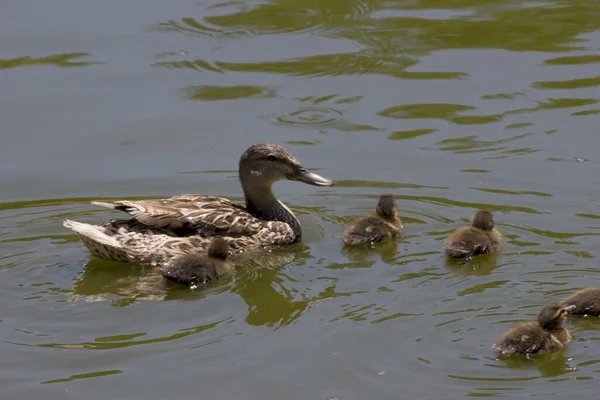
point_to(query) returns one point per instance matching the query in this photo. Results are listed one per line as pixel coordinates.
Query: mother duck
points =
(163, 228)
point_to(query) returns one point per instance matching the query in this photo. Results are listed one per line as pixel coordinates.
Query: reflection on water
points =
(256, 281)
(60, 60)
(548, 364)
(449, 106)
(478, 265)
(362, 256)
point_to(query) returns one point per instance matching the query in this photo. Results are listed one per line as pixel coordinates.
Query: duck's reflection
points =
(260, 284)
(549, 364)
(119, 283)
(479, 265)
(363, 256)
(257, 280)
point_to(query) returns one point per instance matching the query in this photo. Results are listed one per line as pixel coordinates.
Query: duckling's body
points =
(544, 335)
(190, 269)
(583, 302)
(164, 228)
(481, 237)
(384, 225)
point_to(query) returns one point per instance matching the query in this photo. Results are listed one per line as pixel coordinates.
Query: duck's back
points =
(467, 242)
(367, 230)
(190, 214)
(584, 302)
(194, 268)
(525, 338)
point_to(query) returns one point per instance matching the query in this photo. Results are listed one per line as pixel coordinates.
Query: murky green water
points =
(449, 105)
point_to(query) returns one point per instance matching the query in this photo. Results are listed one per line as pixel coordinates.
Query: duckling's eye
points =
(271, 157)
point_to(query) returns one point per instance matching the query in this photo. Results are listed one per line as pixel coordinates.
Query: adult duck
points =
(163, 228)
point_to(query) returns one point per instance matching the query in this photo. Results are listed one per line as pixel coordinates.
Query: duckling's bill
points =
(570, 308)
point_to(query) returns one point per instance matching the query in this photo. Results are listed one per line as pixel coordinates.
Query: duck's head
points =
(267, 163)
(552, 316)
(483, 220)
(218, 248)
(386, 206)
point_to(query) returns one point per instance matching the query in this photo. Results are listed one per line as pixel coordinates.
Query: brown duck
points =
(583, 302)
(384, 224)
(481, 237)
(196, 268)
(544, 335)
(163, 228)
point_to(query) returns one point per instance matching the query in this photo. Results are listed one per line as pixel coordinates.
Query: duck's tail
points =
(98, 242)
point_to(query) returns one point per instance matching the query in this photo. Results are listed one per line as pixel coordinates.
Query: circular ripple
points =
(312, 116)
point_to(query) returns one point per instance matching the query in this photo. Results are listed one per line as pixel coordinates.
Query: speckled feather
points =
(164, 228)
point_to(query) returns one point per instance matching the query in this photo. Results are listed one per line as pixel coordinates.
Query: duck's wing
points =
(467, 241)
(208, 215)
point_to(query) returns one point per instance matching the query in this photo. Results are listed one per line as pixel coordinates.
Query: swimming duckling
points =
(383, 225)
(583, 302)
(193, 268)
(545, 334)
(478, 238)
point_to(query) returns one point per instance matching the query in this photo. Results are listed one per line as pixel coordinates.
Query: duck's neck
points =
(262, 203)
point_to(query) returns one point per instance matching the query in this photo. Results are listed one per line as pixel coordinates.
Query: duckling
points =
(193, 268)
(583, 302)
(481, 237)
(544, 335)
(383, 225)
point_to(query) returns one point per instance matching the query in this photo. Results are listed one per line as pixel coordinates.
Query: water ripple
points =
(218, 93)
(274, 18)
(59, 60)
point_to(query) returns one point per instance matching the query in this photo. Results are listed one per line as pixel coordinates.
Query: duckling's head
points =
(386, 207)
(483, 220)
(266, 163)
(218, 248)
(552, 317)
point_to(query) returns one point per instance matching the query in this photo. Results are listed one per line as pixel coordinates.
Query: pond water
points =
(448, 105)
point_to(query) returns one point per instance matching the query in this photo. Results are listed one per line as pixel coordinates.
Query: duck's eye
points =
(271, 157)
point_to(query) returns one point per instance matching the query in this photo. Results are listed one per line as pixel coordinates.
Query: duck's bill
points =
(312, 179)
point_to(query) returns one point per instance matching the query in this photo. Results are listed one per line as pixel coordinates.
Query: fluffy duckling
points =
(383, 225)
(481, 237)
(544, 335)
(194, 268)
(583, 302)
